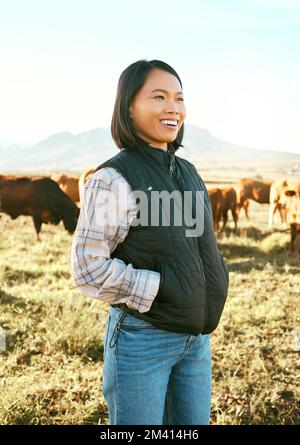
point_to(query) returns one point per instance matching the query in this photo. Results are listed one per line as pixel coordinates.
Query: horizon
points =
(22, 146)
(238, 62)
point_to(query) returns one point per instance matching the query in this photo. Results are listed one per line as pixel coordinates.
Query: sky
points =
(239, 62)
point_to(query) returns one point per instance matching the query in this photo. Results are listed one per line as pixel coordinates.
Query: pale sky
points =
(239, 62)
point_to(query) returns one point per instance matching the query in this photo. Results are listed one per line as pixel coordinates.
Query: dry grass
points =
(50, 372)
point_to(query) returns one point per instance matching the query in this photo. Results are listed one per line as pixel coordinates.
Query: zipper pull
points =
(171, 169)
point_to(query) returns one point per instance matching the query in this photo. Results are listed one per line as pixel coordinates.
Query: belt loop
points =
(117, 326)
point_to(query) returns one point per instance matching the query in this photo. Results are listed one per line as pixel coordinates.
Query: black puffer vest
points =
(194, 277)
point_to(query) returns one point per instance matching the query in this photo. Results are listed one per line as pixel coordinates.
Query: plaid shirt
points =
(94, 273)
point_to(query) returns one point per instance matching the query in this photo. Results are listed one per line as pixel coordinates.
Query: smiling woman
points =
(140, 114)
(166, 287)
(153, 114)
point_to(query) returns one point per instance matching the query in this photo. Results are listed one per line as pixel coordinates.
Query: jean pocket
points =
(116, 329)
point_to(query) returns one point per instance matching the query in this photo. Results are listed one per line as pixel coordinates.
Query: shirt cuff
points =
(144, 290)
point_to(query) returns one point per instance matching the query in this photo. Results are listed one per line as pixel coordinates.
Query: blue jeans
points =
(152, 376)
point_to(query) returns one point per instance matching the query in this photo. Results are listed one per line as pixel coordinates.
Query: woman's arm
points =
(94, 273)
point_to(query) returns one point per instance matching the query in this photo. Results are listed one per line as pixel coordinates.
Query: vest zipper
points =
(171, 170)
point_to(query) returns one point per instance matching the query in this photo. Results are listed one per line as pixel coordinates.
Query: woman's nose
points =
(172, 106)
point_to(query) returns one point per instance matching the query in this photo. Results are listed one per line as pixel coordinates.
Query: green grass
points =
(51, 370)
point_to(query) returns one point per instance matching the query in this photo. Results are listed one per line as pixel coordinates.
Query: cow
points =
(278, 198)
(292, 212)
(229, 203)
(256, 189)
(39, 197)
(4, 178)
(68, 184)
(216, 200)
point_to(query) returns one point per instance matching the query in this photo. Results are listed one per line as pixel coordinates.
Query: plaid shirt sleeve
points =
(97, 234)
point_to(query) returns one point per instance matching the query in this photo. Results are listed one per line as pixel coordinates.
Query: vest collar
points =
(157, 155)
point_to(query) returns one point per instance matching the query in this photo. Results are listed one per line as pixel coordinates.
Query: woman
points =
(166, 286)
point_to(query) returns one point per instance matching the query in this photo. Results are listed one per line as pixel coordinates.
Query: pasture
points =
(51, 365)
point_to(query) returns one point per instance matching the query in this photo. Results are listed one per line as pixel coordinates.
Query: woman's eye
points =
(180, 98)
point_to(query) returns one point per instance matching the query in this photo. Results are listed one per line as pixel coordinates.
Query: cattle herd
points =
(282, 195)
(51, 199)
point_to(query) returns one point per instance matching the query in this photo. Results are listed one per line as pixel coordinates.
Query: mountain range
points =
(74, 153)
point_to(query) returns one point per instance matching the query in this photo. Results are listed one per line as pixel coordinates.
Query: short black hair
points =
(130, 82)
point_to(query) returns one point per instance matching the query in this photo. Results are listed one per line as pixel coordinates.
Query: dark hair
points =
(130, 82)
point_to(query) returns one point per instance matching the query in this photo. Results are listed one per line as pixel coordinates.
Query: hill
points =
(74, 153)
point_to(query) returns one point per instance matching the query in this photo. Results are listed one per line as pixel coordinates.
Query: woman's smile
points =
(170, 123)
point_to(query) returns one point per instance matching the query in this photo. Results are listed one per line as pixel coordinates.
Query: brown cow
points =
(216, 199)
(256, 189)
(229, 203)
(68, 184)
(39, 197)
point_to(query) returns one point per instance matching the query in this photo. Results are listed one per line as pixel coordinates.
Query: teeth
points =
(167, 122)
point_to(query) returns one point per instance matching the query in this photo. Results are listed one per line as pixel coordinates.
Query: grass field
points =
(52, 336)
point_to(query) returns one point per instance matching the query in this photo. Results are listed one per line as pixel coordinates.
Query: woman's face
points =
(150, 107)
